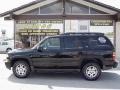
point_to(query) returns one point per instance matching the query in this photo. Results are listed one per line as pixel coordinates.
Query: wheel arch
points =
(21, 59)
(95, 60)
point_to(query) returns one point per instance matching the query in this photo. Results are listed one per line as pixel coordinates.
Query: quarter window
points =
(99, 43)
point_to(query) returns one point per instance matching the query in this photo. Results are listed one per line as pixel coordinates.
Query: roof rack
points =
(84, 33)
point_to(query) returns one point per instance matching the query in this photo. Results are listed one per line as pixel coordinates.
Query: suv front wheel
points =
(21, 69)
(91, 71)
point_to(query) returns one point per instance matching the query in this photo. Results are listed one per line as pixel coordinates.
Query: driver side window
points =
(51, 43)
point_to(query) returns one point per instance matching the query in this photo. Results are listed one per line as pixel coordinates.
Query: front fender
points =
(21, 57)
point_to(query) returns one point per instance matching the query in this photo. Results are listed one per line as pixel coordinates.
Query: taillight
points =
(114, 56)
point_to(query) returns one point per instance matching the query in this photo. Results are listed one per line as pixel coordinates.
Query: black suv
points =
(88, 52)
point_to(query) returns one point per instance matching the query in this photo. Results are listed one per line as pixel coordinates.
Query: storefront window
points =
(30, 32)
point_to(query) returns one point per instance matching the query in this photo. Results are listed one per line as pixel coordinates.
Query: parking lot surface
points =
(109, 80)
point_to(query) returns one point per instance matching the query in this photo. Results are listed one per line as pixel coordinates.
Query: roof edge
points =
(38, 1)
(104, 5)
(20, 7)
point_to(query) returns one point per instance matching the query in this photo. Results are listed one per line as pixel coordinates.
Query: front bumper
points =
(7, 63)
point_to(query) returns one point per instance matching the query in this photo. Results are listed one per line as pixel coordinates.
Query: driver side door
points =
(48, 57)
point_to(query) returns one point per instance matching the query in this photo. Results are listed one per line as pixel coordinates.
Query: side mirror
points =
(40, 49)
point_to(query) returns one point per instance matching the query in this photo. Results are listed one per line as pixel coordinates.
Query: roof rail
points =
(84, 33)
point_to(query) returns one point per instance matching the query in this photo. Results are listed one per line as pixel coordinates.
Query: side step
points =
(56, 70)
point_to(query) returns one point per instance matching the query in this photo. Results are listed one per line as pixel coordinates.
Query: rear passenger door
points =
(72, 51)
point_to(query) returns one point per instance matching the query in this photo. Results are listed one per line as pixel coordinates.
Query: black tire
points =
(91, 71)
(21, 69)
(8, 49)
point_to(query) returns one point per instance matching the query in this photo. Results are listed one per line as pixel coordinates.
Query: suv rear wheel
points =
(91, 71)
(21, 69)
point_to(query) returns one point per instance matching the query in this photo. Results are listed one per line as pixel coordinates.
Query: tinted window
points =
(101, 43)
(51, 43)
(73, 43)
(83, 41)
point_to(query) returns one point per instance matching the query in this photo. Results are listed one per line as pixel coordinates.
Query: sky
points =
(6, 5)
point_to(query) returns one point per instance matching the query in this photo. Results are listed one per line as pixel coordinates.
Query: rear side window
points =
(75, 42)
(100, 43)
(70, 43)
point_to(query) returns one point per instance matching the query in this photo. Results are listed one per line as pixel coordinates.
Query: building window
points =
(74, 8)
(54, 8)
(83, 27)
(94, 11)
(32, 12)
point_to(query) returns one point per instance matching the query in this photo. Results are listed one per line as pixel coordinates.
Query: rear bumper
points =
(115, 64)
(110, 66)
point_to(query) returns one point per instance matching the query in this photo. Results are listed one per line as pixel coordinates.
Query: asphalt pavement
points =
(109, 80)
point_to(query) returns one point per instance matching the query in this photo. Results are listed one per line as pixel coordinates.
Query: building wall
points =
(118, 40)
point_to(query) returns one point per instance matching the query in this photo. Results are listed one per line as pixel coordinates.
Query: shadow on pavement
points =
(108, 80)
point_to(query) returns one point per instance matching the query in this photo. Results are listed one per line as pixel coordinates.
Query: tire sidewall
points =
(27, 68)
(84, 71)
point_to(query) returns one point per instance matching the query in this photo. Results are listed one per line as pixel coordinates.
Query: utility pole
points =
(63, 1)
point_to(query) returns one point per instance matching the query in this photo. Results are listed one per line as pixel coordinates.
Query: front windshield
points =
(38, 44)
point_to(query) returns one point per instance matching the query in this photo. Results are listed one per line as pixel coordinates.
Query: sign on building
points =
(101, 23)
